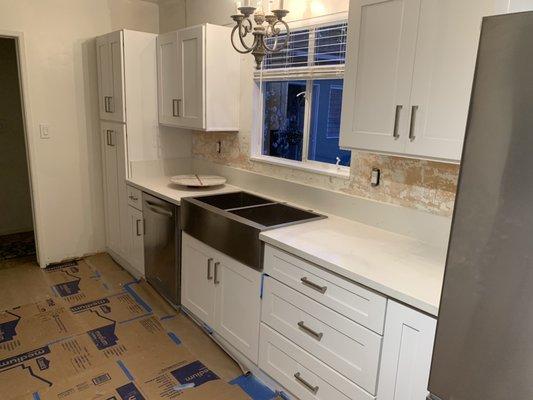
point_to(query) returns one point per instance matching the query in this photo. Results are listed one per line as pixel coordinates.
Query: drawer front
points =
(349, 299)
(135, 198)
(302, 374)
(344, 345)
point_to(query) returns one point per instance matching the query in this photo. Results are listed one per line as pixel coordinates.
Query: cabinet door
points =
(167, 74)
(443, 74)
(191, 71)
(197, 290)
(378, 77)
(109, 50)
(238, 305)
(136, 251)
(116, 103)
(407, 350)
(111, 198)
(115, 189)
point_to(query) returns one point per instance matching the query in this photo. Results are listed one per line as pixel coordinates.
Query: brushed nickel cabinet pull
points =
(307, 385)
(209, 274)
(175, 105)
(216, 281)
(309, 331)
(110, 134)
(139, 233)
(111, 104)
(312, 285)
(414, 110)
(106, 107)
(178, 108)
(395, 132)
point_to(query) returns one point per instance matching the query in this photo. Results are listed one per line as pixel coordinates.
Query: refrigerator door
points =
(484, 342)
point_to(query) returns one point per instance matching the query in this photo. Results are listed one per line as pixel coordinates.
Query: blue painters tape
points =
(125, 370)
(137, 298)
(253, 387)
(36, 396)
(167, 317)
(174, 338)
(262, 285)
(282, 395)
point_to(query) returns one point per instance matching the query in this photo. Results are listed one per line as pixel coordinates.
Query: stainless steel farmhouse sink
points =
(232, 222)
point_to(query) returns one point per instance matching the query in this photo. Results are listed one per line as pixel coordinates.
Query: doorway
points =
(17, 238)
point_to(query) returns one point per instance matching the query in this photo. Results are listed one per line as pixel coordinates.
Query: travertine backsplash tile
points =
(425, 185)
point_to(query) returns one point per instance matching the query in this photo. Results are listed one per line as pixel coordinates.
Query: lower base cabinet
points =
(136, 240)
(222, 293)
(406, 354)
(302, 374)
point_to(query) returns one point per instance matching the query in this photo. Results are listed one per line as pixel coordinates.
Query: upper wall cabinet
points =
(198, 73)
(409, 75)
(110, 59)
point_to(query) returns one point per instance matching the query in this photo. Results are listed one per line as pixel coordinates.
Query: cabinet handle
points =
(209, 275)
(395, 132)
(307, 385)
(414, 110)
(178, 108)
(311, 332)
(216, 273)
(132, 197)
(106, 109)
(174, 108)
(110, 134)
(139, 233)
(312, 285)
(111, 104)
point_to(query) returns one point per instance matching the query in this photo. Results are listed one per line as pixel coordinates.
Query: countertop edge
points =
(153, 192)
(359, 279)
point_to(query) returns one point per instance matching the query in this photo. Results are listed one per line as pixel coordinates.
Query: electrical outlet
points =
(375, 177)
(45, 131)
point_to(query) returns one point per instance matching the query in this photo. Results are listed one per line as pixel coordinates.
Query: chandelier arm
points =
(247, 30)
(246, 48)
(273, 33)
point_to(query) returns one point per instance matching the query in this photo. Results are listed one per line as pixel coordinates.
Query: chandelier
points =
(267, 26)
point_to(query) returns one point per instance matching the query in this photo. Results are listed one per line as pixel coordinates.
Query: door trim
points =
(29, 136)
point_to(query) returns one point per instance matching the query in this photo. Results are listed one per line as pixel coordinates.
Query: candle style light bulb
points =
(281, 4)
(237, 6)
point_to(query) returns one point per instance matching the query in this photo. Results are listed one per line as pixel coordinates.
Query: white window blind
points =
(316, 52)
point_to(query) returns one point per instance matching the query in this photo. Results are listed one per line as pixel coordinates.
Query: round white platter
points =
(198, 180)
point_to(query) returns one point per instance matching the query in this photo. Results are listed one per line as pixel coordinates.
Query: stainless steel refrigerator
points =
(484, 342)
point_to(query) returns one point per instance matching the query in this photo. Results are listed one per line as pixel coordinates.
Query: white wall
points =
(172, 15)
(62, 90)
(15, 201)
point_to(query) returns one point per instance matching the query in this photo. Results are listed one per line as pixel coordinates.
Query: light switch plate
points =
(45, 131)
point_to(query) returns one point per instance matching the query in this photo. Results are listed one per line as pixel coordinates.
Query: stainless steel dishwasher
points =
(162, 247)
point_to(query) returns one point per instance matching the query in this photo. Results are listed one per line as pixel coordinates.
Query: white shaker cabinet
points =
(136, 240)
(406, 354)
(222, 293)
(198, 75)
(115, 190)
(409, 75)
(110, 61)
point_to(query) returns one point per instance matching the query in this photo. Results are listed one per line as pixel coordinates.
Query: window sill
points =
(314, 167)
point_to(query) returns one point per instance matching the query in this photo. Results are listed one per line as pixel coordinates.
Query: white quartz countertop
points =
(397, 266)
(162, 188)
(400, 267)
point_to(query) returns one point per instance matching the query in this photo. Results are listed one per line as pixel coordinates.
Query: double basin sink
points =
(232, 222)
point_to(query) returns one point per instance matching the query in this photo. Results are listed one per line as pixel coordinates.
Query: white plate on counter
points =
(198, 180)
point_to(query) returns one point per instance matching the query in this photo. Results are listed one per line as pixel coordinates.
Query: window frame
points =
(256, 148)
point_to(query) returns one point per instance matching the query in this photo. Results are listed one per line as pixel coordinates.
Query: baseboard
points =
(125, 264)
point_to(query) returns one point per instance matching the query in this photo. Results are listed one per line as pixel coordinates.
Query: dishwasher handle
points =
(159, 210)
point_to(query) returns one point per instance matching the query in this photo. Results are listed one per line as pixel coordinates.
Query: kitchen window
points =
(300, 94)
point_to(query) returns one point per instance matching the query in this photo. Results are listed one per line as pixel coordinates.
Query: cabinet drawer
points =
(344, 345)
(135, 198)
(302, 374)
(349, 299)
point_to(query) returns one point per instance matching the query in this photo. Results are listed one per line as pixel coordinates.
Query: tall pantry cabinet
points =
(127, 90)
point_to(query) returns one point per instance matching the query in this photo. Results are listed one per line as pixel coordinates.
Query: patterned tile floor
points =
(22, 282)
